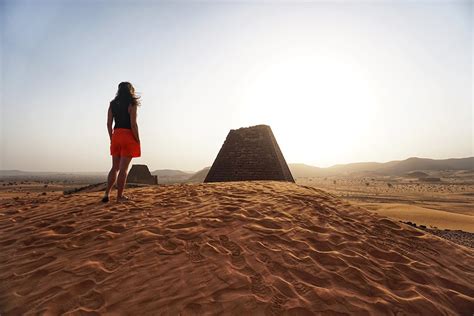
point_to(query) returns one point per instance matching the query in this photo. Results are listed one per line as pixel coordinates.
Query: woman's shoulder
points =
(116, 104)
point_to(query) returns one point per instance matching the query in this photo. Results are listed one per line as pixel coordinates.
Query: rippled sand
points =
(223, 248)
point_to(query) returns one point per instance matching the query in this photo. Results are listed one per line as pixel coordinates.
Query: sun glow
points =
(317, 105)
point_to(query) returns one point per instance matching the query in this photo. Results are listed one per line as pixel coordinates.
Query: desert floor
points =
(448, 204)
(224, 248)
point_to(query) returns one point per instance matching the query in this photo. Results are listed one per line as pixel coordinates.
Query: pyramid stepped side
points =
(281, 160)
(141, 174)
(250, 153)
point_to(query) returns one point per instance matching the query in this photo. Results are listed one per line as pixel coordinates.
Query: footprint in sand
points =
(276, 304)
(231, 246)
(168, 244)
(264, 258)
(84, 239)
(237, 259)
(290, 259)
(167, 247)
(92, 300)
(193, 250)
(275, 267)
(301, 288)
(145, 237)
(258, 287)
(132, 250)
(278, 269)
(82, 287)
(107, 261)
(66, 302)
(91, 270)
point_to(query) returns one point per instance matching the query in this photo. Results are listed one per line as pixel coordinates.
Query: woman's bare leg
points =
(122, 176)
(112, 175)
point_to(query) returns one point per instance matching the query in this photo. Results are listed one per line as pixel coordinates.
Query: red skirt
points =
(124, 143)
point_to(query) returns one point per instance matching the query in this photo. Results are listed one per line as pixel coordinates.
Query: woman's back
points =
(124, 137)
(120, 114)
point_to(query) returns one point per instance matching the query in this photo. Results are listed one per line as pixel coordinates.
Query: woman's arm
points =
(133, 121)
(110, 119)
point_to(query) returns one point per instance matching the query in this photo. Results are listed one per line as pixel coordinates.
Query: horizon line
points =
(291, 163)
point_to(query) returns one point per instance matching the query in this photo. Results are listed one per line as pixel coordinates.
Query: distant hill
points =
(16, 173)
(299, 170)
(170, 173)
(169, 176)
(76, 177)
(398, 167)
(11, 173)
(414, 164)
(199, 176)
(302, 170)
(19, 173)
(356, 167)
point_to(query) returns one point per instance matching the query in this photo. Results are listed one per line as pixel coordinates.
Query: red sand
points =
(224, 248)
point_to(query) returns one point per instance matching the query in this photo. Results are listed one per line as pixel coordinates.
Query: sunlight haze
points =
(338, 82)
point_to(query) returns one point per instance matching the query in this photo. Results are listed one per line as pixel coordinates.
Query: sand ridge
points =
(259, 247)
(420, 214)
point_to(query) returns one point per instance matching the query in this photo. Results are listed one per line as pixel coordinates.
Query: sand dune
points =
(224, 248)
(427, 216)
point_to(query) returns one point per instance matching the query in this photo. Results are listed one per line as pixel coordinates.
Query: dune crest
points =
(238, 247)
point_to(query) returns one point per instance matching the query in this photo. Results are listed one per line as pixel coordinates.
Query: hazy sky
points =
(338, 81)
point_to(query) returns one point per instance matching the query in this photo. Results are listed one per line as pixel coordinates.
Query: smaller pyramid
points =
(250, 153)
(140, 174)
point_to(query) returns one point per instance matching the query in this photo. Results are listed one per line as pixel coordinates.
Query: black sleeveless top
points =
(121, 115)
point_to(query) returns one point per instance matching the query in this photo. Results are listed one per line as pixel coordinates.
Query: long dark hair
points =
(126, 95)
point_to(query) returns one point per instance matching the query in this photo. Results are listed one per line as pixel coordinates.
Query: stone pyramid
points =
(250, 153)
(141, 174)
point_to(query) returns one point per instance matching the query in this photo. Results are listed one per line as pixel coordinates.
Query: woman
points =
(124, 138)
